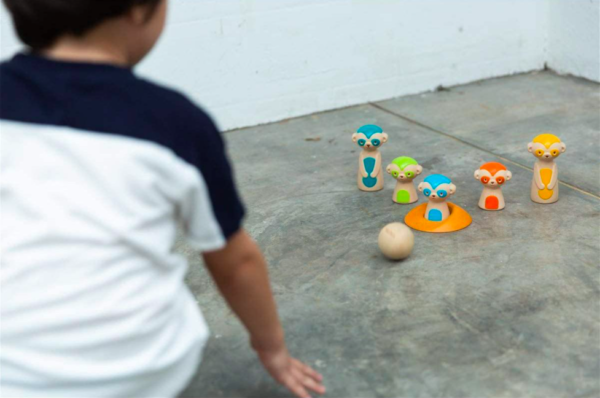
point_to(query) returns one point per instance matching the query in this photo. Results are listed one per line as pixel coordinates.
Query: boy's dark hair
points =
(40, 22)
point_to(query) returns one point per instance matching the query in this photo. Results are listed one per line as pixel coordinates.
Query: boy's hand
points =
(291, 373)
(240, 272)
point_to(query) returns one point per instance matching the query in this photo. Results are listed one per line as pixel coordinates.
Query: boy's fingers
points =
(306, 380)
(308, 370)
(294, 386)
(313, 385)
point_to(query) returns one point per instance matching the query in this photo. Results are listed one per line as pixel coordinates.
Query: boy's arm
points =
(240, 272)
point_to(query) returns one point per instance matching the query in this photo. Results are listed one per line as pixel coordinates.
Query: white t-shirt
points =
(93, 299)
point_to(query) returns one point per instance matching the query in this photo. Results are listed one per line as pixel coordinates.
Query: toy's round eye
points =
(362, 142)
(539, 152)
(500, 180)
(427, 192)
(554, 152)
(409, 174)
(485, 179)
(376, 142)
(442, 194)
(394, 174)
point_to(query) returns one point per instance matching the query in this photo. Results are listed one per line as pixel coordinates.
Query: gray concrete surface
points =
(503, 115)
(508, 307)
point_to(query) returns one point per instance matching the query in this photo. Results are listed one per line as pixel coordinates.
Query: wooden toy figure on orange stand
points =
(544, 187)
(437, 215)
(492, 175)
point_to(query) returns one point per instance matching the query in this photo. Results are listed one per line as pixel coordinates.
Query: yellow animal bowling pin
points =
(544, 187)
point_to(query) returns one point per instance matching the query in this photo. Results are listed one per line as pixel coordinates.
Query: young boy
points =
(98, 168)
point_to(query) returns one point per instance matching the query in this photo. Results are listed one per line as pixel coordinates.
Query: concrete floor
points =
(508, 307)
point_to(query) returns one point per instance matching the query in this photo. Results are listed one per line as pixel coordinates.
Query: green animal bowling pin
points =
(404, 170)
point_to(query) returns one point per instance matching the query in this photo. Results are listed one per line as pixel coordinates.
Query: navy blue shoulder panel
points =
(109, 99)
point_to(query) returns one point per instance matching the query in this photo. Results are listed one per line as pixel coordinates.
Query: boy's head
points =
(133, 25)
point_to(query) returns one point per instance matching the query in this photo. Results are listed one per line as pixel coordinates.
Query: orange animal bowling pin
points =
(492, 175)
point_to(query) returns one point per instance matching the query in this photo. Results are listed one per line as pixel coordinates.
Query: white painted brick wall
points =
(574, 37)
(255, 61)
(252, 62)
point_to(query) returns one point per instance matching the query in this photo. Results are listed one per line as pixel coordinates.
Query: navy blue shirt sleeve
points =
(213, 163)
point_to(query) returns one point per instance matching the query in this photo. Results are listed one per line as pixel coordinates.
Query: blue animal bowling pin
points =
(370, 171)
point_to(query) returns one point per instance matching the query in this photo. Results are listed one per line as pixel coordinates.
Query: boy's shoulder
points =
(97, 102)
(156, 95)
(175, 120)
(104, 99)
(167, 105)
(171, 103)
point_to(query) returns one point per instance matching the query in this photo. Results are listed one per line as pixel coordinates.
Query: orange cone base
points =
(457, 220)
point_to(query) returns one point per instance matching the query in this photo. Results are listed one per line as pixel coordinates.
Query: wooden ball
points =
(396, 241)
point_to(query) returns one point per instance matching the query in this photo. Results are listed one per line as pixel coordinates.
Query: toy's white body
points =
(370, 172)
(405, 192)
(544, 187)
(492, 199)
(431, 213)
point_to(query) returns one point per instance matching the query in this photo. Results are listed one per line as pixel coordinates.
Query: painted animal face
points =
(545, 153)
(409, 172)
(369, 143)
(438, 194)
(495, 180)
